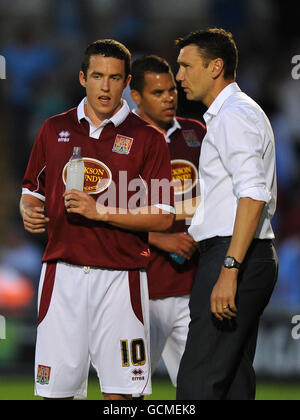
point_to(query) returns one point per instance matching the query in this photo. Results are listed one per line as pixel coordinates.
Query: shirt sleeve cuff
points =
(256, 193)
(166, 207)
(37, 195)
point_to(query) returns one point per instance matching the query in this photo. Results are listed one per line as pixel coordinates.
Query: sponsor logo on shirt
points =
(184, 176)
(64, 137)
(43, 374)
(191, 138)
(122, 144)
(97, 176)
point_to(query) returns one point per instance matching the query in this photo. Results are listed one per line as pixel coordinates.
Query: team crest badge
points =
(122, 144)
(43, 375)
(191, 138)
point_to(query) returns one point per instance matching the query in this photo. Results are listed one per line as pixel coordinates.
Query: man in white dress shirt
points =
(238, 263)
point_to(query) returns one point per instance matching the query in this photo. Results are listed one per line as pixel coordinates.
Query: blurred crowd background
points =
(43, 42)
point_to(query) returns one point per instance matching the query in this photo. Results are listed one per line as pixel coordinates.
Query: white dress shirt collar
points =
(219, 101)
(116, 119)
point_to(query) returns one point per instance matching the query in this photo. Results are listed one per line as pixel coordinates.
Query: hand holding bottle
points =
(179, 258)
(179, 243)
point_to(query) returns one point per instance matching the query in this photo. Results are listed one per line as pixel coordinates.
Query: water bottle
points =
(176, 257)
(75, 171)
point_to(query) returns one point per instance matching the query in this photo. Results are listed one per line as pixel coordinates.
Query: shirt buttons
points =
(86, 269)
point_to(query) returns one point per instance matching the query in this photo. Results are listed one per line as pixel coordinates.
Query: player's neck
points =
(98, 117)
(164, 127)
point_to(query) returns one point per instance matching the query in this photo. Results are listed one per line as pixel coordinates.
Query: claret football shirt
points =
(125, 160)
(166, 277)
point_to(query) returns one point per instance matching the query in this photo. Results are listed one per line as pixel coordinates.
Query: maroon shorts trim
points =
(135, 294)
(47, 290)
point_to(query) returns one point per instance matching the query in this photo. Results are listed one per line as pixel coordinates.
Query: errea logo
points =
(64, 136)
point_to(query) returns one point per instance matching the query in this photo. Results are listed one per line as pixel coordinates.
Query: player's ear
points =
(217, 66)
(127, 81)
(82, 79)
(136, 97)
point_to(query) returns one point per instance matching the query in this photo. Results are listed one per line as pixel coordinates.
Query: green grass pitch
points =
(22, 389)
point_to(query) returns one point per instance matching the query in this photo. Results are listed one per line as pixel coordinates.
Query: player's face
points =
(158, 101)
(104, 83)
(194, 74)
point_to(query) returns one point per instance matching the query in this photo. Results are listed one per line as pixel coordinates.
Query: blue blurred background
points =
(43, 41)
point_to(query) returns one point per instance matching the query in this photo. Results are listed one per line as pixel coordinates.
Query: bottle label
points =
(97, 176)
(177, 258)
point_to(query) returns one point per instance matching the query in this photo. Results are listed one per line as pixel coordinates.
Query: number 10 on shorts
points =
(133, 352)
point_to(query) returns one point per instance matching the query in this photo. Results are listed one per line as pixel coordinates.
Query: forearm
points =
(155, 238)
(179, 242)
(28, 201)
(246, 222)
(32, 212)
(223, 304)
(141, 219)
(146, 219)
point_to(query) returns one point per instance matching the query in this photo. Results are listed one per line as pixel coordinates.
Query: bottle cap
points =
(76, 150)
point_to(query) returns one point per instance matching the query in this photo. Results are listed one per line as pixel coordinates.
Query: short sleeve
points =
(156, 174)
(34, 178)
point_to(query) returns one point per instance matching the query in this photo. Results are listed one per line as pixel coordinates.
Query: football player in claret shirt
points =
(93, 297)
(153, 89)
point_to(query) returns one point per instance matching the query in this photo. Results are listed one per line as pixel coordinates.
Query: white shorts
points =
(91, 314)
(169, 324)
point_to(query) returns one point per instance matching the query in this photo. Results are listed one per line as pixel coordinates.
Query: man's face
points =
(194, 74)
(104, 83)
(158, 100)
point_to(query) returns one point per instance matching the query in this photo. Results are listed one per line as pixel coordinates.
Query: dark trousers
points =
(218, 360)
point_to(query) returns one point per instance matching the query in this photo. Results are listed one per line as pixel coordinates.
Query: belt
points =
(204, 245)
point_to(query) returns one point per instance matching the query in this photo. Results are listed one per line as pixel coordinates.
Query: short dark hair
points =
(107, 48)
(214, 43)
(141, 66)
